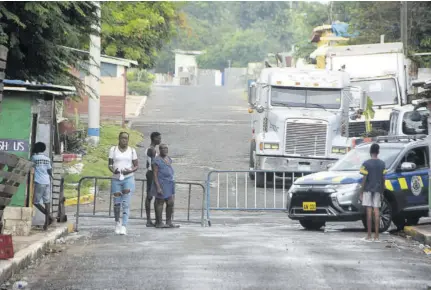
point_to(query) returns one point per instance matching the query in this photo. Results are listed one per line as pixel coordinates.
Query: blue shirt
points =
(41, 166)
(374, 170)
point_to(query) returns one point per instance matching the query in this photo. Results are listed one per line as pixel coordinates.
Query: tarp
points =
(341, 29)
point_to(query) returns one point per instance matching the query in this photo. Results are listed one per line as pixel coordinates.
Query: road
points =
(206, 129)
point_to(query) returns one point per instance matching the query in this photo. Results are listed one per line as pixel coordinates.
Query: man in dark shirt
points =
(373, 185)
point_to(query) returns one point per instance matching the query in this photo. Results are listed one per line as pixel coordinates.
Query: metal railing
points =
(236, 190)
(140, 196)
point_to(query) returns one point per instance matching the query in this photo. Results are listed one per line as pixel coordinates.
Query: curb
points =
(141, 106)
(26, 256)
(82, 200)
(418, 234)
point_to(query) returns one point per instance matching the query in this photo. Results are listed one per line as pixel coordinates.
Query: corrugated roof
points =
(60, 92)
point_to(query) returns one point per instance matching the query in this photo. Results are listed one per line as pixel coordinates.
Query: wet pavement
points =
(240, 251)
(207, 129)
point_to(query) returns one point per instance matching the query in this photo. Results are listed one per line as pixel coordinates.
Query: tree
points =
(35, 32)
(138, 30)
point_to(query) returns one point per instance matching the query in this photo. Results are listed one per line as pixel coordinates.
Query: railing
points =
(184, 199)
(235, 190)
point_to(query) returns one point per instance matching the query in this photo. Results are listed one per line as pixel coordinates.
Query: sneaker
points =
(117, 228)
(123, 231)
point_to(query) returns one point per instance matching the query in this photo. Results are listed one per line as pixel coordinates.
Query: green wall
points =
(15, 123)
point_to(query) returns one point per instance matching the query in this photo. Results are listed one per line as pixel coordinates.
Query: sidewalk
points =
(420, 233)
(134, 105)
(29, 248)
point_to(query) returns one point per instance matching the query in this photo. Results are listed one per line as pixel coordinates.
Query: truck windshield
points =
(381, 92)
(353, 160)
(307, 98)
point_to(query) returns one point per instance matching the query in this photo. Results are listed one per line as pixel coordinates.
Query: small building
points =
(186, 67)
(113, 90)
(28, 115)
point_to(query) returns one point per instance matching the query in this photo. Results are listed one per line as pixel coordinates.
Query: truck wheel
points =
(251, 162)
(260, 179)
(311, 225)
(385, 217)
(412, 221)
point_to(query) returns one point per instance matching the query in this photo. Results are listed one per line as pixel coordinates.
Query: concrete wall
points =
(207, 77)
(112, 98)
(235, 78)
(15, 124)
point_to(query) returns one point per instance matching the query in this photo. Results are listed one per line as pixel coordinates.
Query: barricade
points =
(189, 207)
(236, 191)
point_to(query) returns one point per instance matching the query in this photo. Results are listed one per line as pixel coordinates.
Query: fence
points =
(186, 203)
(239, 190)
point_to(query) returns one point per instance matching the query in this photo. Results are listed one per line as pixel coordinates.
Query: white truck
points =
(382, 71)
(299, 116)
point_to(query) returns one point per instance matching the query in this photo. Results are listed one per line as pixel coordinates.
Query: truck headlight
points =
(269, 146)
(340, 150)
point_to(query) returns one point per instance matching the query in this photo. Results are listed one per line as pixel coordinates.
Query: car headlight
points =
(344, 193)
(340, 150)
(269, 146)
(292, 188)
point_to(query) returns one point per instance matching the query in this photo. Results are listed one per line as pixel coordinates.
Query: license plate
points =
(309, 206)
(304, 168)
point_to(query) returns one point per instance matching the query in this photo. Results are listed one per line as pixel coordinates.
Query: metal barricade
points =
(184, 200)
(235, 190)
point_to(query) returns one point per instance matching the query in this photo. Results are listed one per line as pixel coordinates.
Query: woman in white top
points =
(123, 162)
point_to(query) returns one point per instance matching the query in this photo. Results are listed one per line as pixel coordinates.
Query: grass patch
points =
(96, 160)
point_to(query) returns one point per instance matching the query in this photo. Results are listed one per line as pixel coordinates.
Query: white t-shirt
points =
(122, 160)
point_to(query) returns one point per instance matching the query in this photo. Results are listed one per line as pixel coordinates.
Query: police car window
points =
(353, 160)
(418, 156)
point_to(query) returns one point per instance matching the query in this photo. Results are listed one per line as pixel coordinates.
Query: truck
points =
(298, 118)
(380, 69)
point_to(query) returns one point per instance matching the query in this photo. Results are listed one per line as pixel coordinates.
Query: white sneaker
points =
(117, 228)
(123, 231)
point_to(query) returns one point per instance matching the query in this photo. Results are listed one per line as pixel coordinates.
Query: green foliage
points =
(374, 18)
(244, 32)
(138, 30)
(34, 32)
(139, 88)
(368, 114)
(139, 82)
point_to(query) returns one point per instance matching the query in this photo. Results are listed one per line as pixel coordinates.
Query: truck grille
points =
(356, 129)
(307, 139)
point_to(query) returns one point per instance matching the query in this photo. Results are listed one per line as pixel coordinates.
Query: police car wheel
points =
(312, 225)
(412, 221)
(385, 217)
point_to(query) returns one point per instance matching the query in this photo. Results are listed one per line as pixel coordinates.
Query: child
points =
(42, 182)
(373, 185)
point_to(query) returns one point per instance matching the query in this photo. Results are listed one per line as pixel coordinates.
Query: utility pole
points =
(403, 25)
(94, 96)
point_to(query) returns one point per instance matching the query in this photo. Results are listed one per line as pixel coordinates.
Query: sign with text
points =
(13, 145)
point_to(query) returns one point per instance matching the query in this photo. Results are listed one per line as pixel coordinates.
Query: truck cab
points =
(296, 114)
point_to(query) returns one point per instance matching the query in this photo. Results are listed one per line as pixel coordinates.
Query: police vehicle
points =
(333, 195)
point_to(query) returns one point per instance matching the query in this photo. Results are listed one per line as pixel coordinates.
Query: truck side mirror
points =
(252, 94)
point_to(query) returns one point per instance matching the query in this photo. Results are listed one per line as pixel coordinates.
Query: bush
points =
(139, 88)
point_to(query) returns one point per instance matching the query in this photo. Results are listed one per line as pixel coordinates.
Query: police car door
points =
(414, 184)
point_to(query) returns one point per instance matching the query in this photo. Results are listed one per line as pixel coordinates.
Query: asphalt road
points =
(207, 129)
